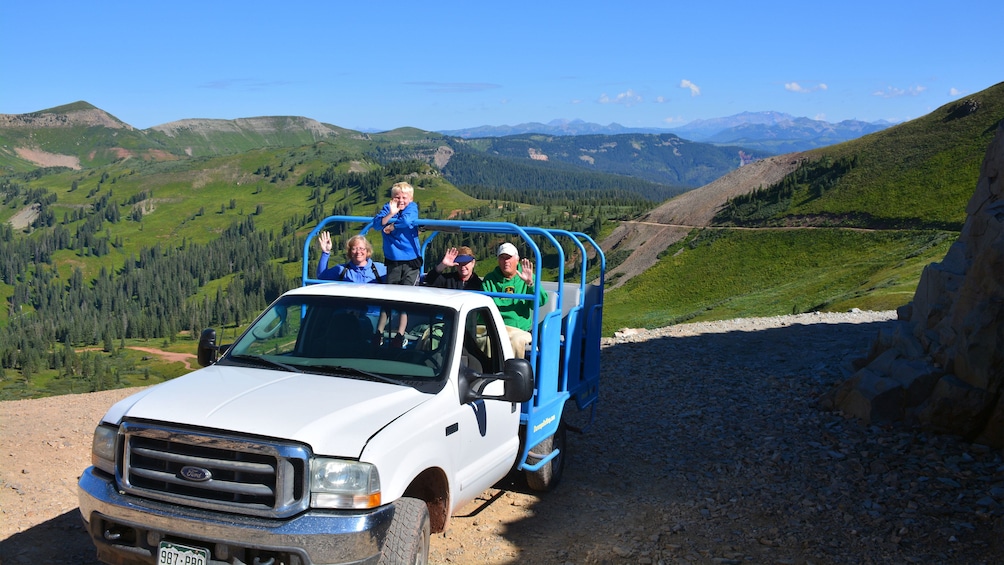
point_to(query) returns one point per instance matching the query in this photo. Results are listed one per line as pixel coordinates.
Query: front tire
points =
(548, 476)
(407, 538)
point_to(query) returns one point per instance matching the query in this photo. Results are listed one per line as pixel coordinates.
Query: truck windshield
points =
(337, 336)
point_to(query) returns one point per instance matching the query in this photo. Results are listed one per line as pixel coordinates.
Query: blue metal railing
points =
(565, 340)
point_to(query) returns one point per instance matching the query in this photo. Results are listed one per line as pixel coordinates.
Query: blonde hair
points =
(355, 239)
(402, 187)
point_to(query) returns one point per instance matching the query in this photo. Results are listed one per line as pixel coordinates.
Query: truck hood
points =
(335, 416)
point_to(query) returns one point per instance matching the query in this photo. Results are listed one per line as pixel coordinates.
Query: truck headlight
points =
(103, 448)
(338, 483)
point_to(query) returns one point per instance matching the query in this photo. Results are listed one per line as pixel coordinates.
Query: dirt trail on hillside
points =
(169, 356)
(655, 231)
(183, 358)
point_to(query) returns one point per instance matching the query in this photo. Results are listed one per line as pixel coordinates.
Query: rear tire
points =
(407, 538)
(548, 476)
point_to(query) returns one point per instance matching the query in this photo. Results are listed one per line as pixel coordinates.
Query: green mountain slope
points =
(724, 274)
(500, 175)
(97, 260)
(75, 135)
(80, 136)
(853, 226)
(661, 158)
(199, 138)
(916, 174)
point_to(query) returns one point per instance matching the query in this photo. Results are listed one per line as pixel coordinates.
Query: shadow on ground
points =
(62, 539)
(711, 449)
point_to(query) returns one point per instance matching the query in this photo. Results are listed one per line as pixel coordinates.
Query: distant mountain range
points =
(80, 135)
(554, 127)
(770, 132)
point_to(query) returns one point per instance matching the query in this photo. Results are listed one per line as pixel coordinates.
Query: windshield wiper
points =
(257, 359)
(357, 372)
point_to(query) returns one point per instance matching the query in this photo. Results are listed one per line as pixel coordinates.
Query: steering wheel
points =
(432, 360)
(267, 331)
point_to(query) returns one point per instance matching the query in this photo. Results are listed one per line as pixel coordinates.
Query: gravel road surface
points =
(707, 447)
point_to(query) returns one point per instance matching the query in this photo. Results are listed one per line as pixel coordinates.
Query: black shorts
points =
(403, 272)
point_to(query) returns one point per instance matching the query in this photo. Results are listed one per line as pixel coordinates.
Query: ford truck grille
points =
(249, 476)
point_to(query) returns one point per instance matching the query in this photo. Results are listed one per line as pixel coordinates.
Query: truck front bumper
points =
(127, 529)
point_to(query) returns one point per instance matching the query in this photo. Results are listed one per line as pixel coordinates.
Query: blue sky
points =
(451, 64)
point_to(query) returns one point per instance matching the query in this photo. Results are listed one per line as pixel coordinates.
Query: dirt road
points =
(707, 448)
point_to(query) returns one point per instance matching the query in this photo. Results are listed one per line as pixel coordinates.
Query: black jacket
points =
(452, 280)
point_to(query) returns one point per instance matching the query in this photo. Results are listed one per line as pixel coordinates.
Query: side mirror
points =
(518, 380)
(208, 350)
(516, 377)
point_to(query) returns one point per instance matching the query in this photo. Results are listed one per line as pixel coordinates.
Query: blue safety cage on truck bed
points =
(565, 348)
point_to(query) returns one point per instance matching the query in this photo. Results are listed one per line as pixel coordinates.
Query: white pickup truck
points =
(304, 442)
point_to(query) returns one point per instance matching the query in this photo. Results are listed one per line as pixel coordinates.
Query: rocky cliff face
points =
(943, 368)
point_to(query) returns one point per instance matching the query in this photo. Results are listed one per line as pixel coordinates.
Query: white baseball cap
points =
(508, 249)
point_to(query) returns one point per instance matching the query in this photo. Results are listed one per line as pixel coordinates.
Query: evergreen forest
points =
(93, 275)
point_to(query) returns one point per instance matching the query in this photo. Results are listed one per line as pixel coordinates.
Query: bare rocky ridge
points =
(83, 117)
(261, 125)
(39, 120)
(706, 447)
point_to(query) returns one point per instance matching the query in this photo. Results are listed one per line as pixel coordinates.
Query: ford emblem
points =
(197, 474)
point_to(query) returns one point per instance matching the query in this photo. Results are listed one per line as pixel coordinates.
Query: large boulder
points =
(943, 367)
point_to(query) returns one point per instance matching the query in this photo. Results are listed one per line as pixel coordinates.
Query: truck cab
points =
(305, 441)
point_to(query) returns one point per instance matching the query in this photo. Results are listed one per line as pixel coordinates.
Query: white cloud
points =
(955, 92)
(627, 98)
(893, 92)
(820, 117)
(672, 120)
(661, 100)
(795, 87)
(694, 89)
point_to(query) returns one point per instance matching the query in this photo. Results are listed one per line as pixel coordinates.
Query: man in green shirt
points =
(513, 276)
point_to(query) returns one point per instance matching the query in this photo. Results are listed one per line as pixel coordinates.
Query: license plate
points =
(174, 554)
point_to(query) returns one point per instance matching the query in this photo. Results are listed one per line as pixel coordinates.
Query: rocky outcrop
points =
(442, 156)
(262, 125)
(943, 367)
(85, 117)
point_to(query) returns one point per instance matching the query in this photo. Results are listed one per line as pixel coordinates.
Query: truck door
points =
(488, 428)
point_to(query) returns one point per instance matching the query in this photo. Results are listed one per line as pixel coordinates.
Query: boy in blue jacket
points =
(396, 220)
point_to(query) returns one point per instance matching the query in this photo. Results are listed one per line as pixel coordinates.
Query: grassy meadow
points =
(719, 274)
